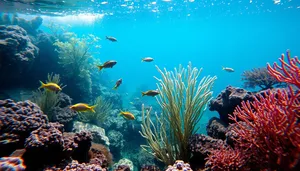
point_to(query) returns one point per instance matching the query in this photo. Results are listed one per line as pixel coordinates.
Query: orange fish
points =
(127, 115)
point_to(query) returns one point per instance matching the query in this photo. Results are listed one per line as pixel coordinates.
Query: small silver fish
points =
(228, 69)
(147, 59)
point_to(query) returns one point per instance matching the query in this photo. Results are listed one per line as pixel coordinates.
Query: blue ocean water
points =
(240, 34)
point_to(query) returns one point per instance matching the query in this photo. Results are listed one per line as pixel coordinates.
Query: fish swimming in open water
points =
(147, 59)
(118, 83)
(150, 93)
(82, 107)
(50, 86)
(107, 64)
(228, 69)
(127, 115)
(113, 39)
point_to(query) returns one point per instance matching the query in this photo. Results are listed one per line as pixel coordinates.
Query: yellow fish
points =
(50, 86)
(127, 115)
(82, 107)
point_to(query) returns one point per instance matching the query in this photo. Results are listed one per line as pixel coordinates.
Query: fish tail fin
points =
(223, 68)
(115, 88)
(42, 84)
(143, 93)
(121, 112)
(100, 67)
(142, 60)
(92, 108)
(106, 37)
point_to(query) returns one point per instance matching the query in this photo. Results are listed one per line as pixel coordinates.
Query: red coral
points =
(289, 73)
(227, 158)
(267, 129)
(272, 130)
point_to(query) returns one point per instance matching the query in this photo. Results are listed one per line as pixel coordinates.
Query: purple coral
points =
(17, 120)
(46, 136)
(75, 166)
(84, 141)
(179, 165)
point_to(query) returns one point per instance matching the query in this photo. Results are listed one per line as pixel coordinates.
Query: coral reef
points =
(259, 77)
(62, 113)
(46, 146)
(115, 122)
(75, 166)
(201, 147)
(141, 158)
(266, 134)
(122, 168)
(123, 162)
(12, 163)
(30, 26)
(116, 142)
(183, 100)
(98, 133)
(216, 128)
(179, 165)
(18, 51)
(110, 96)
(227, 100)
(102, 111)
(100, 155)
(228, 159)
(149, 168)
(17, 120)
(47, 100)
(74, 56)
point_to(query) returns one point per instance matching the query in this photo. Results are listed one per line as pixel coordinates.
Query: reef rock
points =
(98, 133)
(16, 46)
(17, 120)
(227, 100)
(150, 168)
(62, 113)
(123, 162)
(100, 155)
(17, 53)
(116, 142)
(216, 128)
(12, 163)
(200, 146)
(179, 165)
(75, 166)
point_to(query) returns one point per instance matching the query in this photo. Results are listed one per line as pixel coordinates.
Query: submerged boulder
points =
(17, 54)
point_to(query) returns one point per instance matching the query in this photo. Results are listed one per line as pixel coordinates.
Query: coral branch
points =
(272, 129)
(287, 72)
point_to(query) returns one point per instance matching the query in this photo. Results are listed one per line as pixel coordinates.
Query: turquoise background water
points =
(240, 35)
